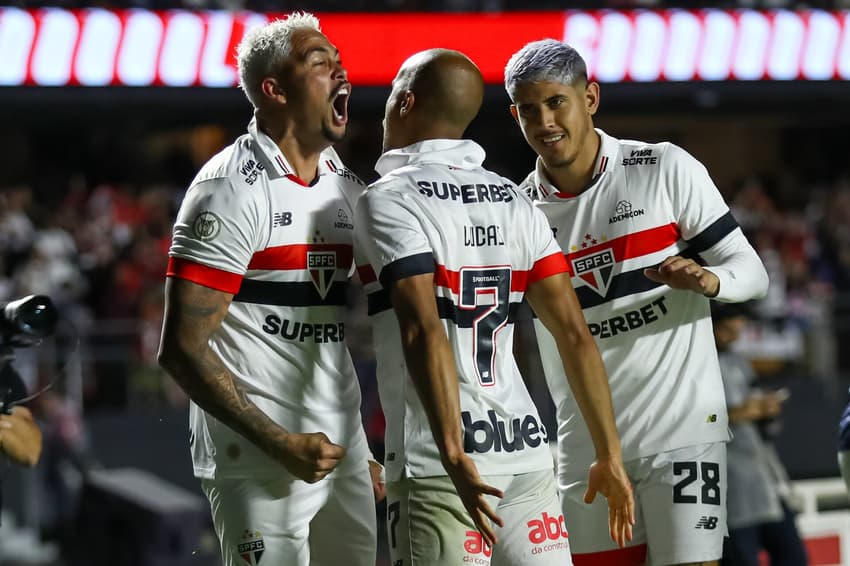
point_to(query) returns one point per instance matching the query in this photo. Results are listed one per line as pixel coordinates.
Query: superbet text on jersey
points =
(442, 213)
(250, 227)
(646, 202)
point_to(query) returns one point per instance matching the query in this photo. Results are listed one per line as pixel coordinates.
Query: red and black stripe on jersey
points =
(638, 244)
(274, 293)
(418, 264)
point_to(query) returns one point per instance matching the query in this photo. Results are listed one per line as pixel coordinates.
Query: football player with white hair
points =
(649, 242)
(254, 320)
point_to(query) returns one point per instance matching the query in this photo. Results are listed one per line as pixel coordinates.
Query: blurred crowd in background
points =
(97, 244)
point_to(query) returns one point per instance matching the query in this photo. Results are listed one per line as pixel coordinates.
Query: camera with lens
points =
(23, 323)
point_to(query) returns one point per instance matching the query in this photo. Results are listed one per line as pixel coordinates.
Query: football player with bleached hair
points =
(254, 326)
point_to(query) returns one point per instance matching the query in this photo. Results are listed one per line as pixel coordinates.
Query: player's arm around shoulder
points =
(554, 301)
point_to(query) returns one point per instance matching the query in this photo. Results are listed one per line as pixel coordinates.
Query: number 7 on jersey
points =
(486, 292)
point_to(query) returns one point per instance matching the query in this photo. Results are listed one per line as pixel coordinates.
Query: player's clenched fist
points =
(682, 273)
(310, 456)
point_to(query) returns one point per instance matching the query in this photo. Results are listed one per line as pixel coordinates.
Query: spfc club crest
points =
(322, 266)
(251, 548)
(595, 270)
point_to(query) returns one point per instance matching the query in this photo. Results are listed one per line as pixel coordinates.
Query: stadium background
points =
(95, 162)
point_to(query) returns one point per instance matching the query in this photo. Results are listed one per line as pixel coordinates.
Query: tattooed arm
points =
(192, 314)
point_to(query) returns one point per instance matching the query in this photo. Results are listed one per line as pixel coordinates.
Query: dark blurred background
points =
(91, 179)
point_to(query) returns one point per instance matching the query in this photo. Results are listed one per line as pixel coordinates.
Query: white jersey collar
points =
(609, 148)
(462, 154)
(275, 159)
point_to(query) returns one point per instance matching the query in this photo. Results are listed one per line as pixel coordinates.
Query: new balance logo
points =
(708, 523)
(281, 219)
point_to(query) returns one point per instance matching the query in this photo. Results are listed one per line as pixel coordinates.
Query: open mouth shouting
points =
(339, 104)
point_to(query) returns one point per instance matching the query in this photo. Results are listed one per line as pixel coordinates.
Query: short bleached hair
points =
(262, 49)
(547, 60)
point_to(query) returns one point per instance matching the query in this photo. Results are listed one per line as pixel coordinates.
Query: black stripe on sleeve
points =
(290, 294)
(407, 267)
(721, 228)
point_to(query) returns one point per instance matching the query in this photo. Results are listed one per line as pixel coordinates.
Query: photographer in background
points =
(23, 322)
(759, 514)
(20, 437)
(844, 446)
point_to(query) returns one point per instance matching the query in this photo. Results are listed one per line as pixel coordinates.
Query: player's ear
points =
(272, 88)
(515, 113)
(408, 99)
(591, 97)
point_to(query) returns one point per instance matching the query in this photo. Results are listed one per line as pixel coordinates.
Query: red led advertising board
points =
(99, 47)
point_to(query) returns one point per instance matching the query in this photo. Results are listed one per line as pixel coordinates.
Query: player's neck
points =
(304, 160)
(432, 129)
(303, 157)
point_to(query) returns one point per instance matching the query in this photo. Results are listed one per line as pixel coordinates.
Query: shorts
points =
(427, 523)
(680, 510)
(326, 523)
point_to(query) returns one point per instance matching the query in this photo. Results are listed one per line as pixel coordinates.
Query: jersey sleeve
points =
(710, 230)
(389, 235)
(217, 231)
(548, 257)
(701, 213)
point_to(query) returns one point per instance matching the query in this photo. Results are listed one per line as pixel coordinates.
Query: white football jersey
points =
(437, 210)
(646, 202)
(250, 227)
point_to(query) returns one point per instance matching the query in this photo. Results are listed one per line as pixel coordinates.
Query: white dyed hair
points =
(547, 60)
(262, 49)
